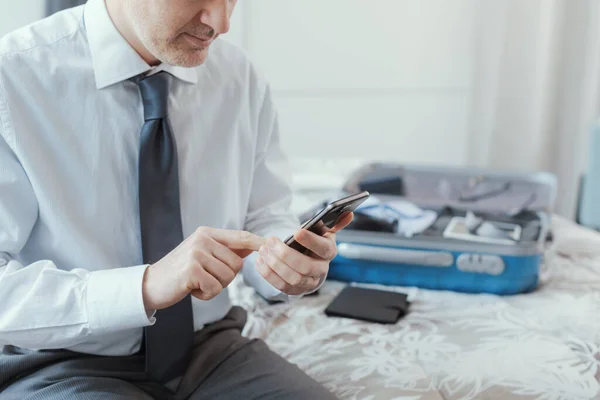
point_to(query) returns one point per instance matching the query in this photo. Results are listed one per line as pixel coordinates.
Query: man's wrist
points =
(154, 290)
(147, 290)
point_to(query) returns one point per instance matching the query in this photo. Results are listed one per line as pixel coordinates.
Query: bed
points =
(543, 345)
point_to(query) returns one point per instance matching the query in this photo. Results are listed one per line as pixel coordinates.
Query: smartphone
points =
(326, 218)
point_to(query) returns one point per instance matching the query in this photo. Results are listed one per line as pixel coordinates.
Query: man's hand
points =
(295, 273)
(203, 264)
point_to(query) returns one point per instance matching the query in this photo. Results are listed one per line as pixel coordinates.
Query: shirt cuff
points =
(115, 301)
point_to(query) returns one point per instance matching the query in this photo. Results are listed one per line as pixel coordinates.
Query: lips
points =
(198, 42)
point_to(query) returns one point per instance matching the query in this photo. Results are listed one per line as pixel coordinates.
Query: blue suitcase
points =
(443, 263)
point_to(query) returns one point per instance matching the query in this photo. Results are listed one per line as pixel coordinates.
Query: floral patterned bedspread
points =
(543, 345)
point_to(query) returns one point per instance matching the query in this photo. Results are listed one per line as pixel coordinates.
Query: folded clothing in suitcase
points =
(487, 237)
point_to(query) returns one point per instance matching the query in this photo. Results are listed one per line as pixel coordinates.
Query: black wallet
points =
(369, 305)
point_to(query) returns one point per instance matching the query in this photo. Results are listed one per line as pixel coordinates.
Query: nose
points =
(217, 15)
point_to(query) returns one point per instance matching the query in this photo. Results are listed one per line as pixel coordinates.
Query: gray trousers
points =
(225, 365)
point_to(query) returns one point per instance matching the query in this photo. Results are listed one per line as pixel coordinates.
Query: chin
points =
(186, 59)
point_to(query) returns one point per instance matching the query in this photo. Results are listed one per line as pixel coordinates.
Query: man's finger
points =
(219, 270)
(343, 222)
(300, 262)
(323, 247)
(229, 257)
(207, 286)
(287, 273)
(274, 279)
(233, 239)
(271, 276)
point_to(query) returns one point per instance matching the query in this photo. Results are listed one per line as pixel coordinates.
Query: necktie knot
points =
(155, 95)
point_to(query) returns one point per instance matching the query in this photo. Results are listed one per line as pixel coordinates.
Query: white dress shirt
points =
(70, 119)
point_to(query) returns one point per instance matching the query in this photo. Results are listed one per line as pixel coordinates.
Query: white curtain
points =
(536, 88)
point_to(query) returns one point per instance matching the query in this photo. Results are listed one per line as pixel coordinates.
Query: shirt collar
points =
(113, 58)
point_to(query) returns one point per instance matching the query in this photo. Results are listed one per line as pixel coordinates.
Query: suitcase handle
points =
(397, 256)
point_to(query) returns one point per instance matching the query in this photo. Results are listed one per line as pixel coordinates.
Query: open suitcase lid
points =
(478, 190)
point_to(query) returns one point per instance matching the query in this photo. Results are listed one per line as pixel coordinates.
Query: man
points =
(137, 152)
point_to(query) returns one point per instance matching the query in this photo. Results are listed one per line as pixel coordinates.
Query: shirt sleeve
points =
(43, 306)
(269, 207)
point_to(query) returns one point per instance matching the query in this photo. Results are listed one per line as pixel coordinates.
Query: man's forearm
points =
(46, 308)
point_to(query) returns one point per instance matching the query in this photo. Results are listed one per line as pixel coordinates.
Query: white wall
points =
(385, 79)
(378, 79)
(16, 13)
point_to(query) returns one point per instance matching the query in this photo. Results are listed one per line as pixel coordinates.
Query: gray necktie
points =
(169, 342)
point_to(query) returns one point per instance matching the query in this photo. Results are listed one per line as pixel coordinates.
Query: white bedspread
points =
(543, 345)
